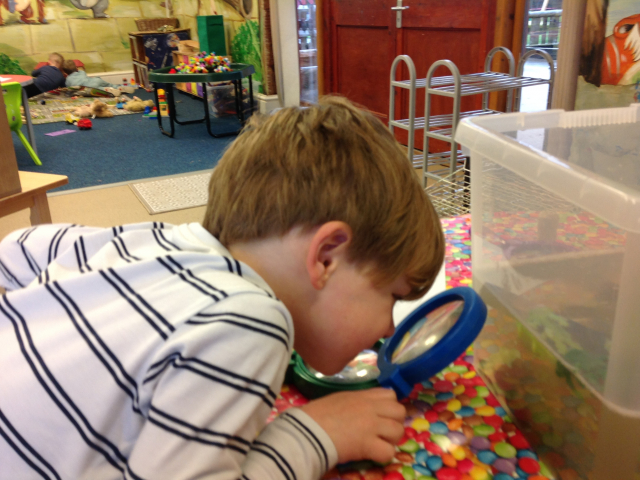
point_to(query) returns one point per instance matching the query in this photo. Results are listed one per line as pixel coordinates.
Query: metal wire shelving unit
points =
(442, 127)
(446, 176)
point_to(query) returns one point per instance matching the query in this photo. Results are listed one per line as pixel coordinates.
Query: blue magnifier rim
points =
(402, 377)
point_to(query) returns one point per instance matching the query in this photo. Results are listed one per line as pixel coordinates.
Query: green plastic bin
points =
(211, 34)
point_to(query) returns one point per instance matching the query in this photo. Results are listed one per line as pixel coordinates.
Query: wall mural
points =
(610, 60)
(96, 31)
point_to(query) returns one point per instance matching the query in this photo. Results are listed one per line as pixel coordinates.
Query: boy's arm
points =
(25, 253)
(35, 73)
(211, 393)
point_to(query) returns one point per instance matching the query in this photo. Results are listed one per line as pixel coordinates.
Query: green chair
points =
(12, 100)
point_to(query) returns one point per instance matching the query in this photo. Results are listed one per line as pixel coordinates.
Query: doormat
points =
(175, 193)
(54, 110)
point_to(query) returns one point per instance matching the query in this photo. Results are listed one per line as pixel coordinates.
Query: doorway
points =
(362, 37)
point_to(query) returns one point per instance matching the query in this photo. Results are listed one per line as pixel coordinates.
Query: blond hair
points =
(332, 161)
(69, 67)
(57, 59)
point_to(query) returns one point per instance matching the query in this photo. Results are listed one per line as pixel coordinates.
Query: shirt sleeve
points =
(26, 253)
(35, 73)
(293, 446)
(209, 394)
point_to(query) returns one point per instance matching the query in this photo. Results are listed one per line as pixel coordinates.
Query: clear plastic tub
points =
(222, 98)
(555, 203)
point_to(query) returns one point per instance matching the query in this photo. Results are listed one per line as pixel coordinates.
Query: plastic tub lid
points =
(547, 148)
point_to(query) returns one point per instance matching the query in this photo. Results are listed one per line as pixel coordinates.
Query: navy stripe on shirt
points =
(47, 380)
(274, 460)
(232, 441)
(100, 349)
(8, 275)
(164, 239)
(264, 447)
(24, 450)
(33, 265)
(181, 275)
(57, 244)
(214, 373)
(193, 277)
(313, 440)
(139, 304)
(243, 321)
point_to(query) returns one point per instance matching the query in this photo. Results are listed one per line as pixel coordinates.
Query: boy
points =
(156, 351)
(48, 77)
(79, 78)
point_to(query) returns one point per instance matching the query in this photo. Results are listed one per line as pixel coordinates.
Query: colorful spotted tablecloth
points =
(455, 427)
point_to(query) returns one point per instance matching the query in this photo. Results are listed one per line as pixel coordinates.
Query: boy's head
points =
(69, 67)
(56, 60)
(324, 204)
(330, 162)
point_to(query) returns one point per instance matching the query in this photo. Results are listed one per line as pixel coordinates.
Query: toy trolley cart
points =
(161, 78)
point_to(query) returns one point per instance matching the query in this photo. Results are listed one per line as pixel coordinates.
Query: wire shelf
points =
(451, 195)
(507, 192)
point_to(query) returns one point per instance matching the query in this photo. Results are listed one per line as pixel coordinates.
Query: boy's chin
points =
(328, 368)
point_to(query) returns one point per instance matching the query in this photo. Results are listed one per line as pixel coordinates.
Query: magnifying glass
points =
(426, 341)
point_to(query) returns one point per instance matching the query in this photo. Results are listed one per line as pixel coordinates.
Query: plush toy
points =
(83, 111)
(100, 109)
(137, 105)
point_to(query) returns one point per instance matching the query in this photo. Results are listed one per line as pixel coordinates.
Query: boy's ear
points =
(328, 247)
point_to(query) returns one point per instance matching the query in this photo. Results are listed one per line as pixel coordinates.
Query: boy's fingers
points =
(383, 393)
(390, 430)
(393, 410)
(380, 451)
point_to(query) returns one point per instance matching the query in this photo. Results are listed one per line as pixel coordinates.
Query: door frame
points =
(285, 51)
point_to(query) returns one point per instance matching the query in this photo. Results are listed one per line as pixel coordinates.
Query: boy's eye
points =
(396, 297)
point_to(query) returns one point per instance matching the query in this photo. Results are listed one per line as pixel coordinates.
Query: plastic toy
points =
(151, 113)
(204, 63)
(162, 103)
(71, 119)
(85, 124)
(12, 92)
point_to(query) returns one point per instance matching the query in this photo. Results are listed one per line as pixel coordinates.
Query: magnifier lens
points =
(361, 369)
(427, 332)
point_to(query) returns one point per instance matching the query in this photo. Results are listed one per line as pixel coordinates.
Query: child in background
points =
(79, 78)
(48, 77)
(157, 351)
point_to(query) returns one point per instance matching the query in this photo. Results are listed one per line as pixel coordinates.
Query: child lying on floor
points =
(79, 78)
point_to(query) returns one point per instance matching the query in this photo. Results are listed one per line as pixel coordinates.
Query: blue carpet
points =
(127, 147)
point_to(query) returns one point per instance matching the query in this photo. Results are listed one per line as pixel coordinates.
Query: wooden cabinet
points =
(153, 50)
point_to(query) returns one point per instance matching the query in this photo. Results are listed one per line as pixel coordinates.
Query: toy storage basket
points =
(151, 24)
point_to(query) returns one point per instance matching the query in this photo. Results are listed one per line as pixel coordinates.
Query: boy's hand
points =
(364, 425)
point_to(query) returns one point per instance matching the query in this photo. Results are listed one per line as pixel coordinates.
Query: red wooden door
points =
(361, 41)
(360, 44)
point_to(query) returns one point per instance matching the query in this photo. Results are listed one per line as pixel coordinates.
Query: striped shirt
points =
(144, 351)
